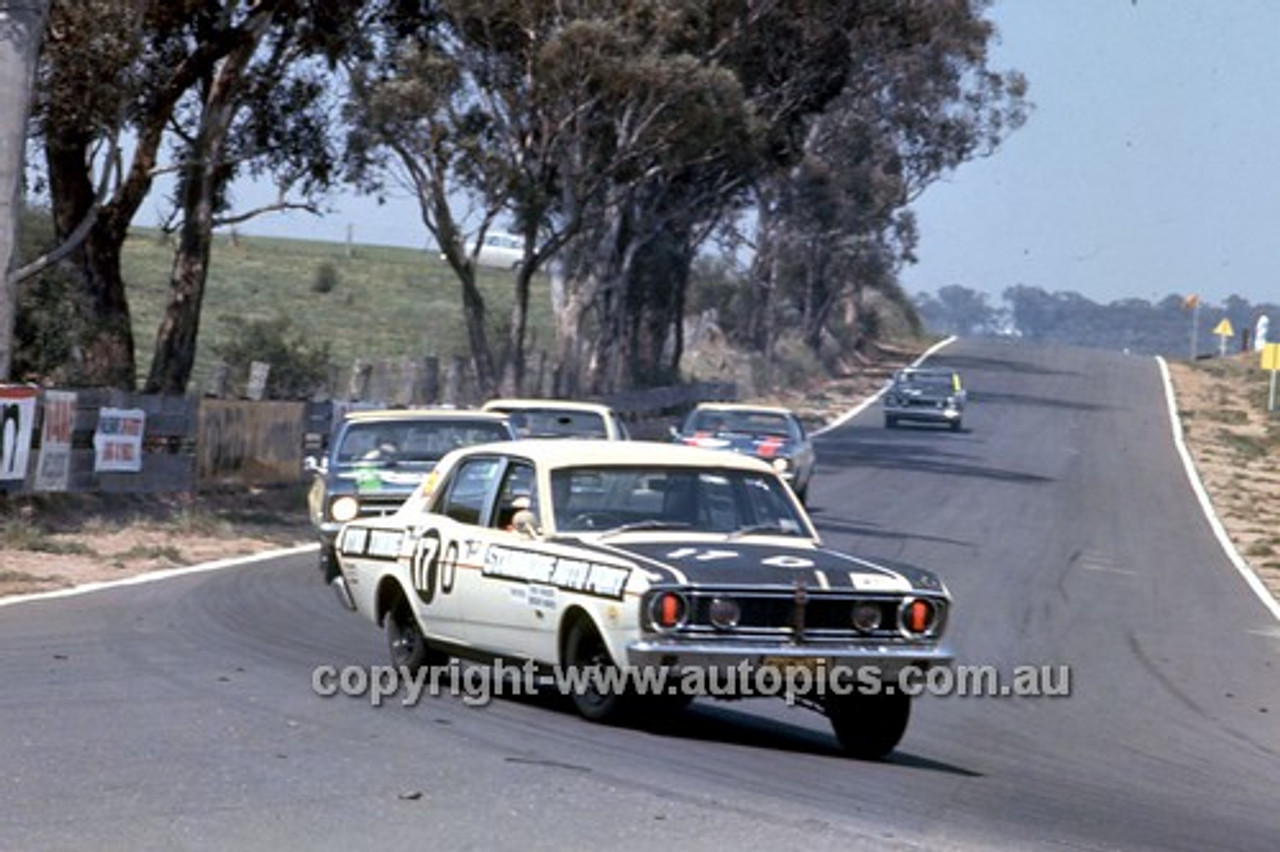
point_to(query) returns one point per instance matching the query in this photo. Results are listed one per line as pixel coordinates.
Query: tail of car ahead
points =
(641, 575)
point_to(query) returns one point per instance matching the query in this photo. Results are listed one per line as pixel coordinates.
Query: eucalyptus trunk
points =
(22, 24)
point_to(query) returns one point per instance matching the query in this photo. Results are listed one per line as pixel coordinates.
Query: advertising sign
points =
(117, 442)
(17, 422)
(53, 469)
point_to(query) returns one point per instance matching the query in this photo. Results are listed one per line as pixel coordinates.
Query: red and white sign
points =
(117, 442)
(53, 470)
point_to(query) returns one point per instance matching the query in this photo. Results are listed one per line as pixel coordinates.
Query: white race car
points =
(559, 418)
(644, 559)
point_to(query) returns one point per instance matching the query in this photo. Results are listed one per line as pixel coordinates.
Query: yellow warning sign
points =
(1271, 356)
(1223, 329)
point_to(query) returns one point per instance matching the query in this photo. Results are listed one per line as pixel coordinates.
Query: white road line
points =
(154, 576)
(1251, 579)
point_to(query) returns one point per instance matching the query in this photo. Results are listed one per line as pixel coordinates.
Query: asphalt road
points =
(180, 714)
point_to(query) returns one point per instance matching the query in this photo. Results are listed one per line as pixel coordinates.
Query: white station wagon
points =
(643, 558)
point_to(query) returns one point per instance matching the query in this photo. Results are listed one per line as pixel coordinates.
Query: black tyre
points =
(585, 652)
(869, 726)
(955, 425)
(405, 642)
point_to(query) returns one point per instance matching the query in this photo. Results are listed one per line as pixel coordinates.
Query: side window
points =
(469, 490)
(516, 493)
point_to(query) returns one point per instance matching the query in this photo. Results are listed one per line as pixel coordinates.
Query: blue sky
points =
(1150, 164)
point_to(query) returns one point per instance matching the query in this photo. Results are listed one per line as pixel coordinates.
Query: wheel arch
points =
(572, 615)
(579, 613)
(389, 592)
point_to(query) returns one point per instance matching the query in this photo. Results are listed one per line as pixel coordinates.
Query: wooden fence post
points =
(361, 371)
(453, 381)
(259, 371)
(218, 380)
(429, 380)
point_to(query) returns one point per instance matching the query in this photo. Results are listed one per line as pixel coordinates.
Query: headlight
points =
(724, 613)
(782, 465)
(344, 509)
(866, 617)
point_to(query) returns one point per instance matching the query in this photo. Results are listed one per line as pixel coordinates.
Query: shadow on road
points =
(856, 447)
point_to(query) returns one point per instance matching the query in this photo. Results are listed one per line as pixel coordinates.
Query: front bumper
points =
(343, 592)
(883, 659)
(931, 414)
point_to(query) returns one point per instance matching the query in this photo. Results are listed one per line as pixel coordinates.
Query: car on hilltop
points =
(497, 250)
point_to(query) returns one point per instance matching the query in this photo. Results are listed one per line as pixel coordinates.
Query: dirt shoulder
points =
(1222, 404)
(58, 541)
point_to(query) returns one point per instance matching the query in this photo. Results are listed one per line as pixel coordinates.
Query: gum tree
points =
(201, 80)
(22, 24)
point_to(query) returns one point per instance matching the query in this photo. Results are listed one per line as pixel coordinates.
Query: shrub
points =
(298, 367)
(326, 280)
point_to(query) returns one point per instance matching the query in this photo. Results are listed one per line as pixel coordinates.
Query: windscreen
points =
(698, 499)
(413, 442)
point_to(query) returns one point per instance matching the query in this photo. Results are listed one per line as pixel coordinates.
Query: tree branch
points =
(281, 205)
(81, 232)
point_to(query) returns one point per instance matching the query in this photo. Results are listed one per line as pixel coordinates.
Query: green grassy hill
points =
(385, 302)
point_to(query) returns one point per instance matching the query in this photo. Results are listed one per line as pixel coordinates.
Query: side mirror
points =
(311, 464)
(674, 432)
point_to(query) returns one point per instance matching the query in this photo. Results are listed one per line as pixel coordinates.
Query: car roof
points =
(421, 414)
(743, 406)
(591, 451)
(514, 404)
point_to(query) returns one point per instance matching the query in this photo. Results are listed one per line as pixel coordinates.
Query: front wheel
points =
(869, 726)
(405, 642)
(802, 494)
(598, 694)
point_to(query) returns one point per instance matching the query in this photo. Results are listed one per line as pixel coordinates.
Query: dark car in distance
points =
(925, 395)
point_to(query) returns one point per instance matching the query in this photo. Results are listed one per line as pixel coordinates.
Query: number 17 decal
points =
(426, 566)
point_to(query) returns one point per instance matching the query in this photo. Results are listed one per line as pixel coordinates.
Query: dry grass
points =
(1235, 443)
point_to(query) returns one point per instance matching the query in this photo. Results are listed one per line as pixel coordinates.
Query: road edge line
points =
(1242, 567)
(154, 576)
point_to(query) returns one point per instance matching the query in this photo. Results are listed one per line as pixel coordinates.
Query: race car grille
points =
(814, 614)
(376, 507)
